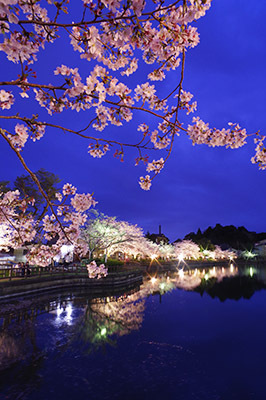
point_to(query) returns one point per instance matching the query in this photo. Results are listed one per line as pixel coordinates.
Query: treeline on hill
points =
(226, 237)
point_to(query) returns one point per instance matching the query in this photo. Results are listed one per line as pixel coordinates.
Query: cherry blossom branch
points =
(169, 150)
(94, 21)
(20, 82)
(35, 179)
(162, 35)
(64, 129)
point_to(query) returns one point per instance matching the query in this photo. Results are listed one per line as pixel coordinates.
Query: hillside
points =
(226, 237)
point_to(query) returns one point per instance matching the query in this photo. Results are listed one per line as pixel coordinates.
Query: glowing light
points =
(153, 256)
(103, 331)
(66, 252)
(249, 254)
(64, 315)
(57, 258)
(68, 317)
(59, 311)
(153, 280)
(181, 257)
(231, 268)
(65, 249)
(162, 286)
(251, 272)
(206, 277)
(181, 273)
(206, 253)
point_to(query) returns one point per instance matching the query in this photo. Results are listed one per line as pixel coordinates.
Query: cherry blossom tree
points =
(137, 248)
(107, 234)
(186, 249)
(116, 38)
(95, 271)
(166, 251)
(63, 225)
(219, 254)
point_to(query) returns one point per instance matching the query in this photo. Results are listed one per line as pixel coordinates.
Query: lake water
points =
(182, 336)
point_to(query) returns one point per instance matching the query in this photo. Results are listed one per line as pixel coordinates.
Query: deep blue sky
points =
(199, 186)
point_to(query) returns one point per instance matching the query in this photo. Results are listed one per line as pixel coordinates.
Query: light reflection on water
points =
(151, 342)
(64, 315)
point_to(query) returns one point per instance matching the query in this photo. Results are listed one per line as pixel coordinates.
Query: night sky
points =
(199, 186)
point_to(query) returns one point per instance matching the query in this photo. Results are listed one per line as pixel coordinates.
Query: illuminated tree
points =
(62, 226)
(166, 251)
(186, 249)
(218, 253)
(138, 247)
(109, 235)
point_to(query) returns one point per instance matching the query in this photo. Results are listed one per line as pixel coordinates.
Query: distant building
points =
(157, 237)
(20, 254)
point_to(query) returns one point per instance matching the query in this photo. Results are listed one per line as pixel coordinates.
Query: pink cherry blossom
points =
(145, 182)
(82, 202)
(96, 272)
(69, 189)
(155, 166)
(6, 100)
(116, 38)
(20, 137)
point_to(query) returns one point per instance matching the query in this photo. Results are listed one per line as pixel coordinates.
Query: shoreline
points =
(32, 286)
(118, 278)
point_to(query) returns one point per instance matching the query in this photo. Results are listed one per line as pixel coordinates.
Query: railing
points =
(14, 272)
(11, 272)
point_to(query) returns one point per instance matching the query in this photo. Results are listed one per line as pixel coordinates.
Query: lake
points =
(184, 335)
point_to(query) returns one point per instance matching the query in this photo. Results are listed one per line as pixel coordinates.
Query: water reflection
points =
(104, 322)
(31, 328)
(17, 341)
(188, 279)
(64, 314)
(229, 282)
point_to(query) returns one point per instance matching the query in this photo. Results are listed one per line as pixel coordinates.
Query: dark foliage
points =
(226, 237)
